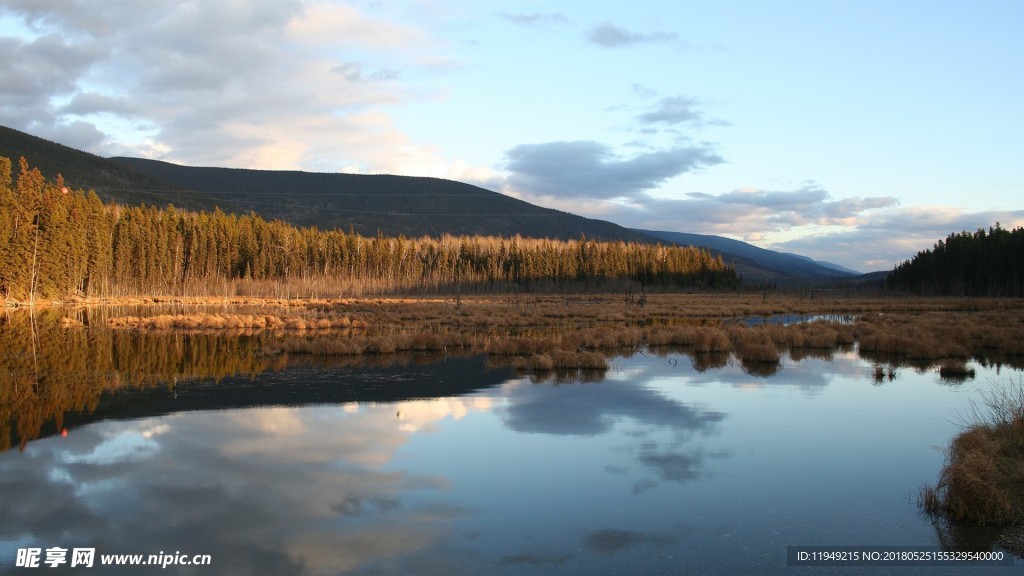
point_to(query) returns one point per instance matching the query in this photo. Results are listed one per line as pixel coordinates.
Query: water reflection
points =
(53, 378)
(570, 409)
(664, 466)
(47, 372)
(787, 319)
(272, 491)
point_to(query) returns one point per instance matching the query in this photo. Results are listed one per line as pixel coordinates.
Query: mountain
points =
(391, 205)
(758, 263)
(112, 181)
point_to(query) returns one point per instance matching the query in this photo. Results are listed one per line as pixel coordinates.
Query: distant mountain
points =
(759, 263)
(830, 265)
(392, 205)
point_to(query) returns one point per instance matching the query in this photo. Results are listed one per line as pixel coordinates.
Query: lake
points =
(448, 465)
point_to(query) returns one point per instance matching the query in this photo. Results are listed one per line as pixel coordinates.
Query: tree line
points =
(57, 243)
(982, 263)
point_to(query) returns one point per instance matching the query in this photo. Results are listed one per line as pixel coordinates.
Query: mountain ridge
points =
(370, 204)
(381, 203)
(83, 170)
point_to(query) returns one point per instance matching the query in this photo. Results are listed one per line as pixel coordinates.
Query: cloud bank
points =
(288, 84)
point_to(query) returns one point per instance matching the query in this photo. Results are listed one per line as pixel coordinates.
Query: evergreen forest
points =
(983, 263)
(58, 243)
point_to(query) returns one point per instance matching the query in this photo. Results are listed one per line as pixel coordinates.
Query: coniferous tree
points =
(56, 243)
(984, 263)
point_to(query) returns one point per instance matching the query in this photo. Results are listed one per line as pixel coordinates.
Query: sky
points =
(857, 132)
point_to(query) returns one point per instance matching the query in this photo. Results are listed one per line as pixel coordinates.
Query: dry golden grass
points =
(895, 331)
(754, 345)
(534, 363)
(983, 480)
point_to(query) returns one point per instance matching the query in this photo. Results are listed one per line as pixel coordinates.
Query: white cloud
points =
(287, 84)
(763, 215)
(892, 236)
(587, 169)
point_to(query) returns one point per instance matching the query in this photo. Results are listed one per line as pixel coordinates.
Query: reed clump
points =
(534, 363)
(983, 480)
(754, 345)
(579, 360)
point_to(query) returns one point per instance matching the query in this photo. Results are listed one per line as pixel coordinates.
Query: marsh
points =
(137, 442)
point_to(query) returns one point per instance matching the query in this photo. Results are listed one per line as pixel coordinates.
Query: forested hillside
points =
(112, 181)
(985, 263)
(372, 203)
(58, 243)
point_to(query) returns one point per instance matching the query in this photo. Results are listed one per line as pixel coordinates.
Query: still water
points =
(452, 467)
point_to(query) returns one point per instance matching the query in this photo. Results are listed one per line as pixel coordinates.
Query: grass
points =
(982, 482)
(896, 332)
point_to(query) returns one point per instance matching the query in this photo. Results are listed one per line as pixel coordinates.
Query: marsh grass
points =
(754, 346)
(983, 480)
(913, 332)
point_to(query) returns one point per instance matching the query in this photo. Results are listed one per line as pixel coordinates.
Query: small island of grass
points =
(982, 482)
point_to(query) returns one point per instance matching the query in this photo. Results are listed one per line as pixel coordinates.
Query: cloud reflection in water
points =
(265, 490)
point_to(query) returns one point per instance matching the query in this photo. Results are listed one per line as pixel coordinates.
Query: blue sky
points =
(855, 132)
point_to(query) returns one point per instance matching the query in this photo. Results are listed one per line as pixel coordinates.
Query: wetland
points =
(509, 434)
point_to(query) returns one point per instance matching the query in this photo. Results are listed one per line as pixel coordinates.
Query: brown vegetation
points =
(983, 480)
(887, 331)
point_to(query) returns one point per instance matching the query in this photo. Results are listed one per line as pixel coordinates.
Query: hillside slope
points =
(392, 205)
(112, 181)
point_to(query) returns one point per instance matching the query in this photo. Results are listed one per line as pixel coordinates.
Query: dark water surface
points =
(451, 467)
